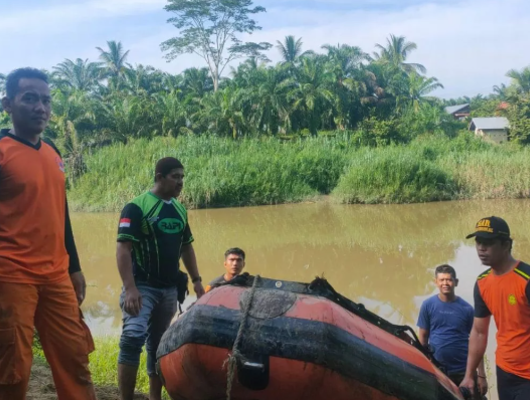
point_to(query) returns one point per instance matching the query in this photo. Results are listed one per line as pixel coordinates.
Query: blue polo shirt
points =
(449, 325)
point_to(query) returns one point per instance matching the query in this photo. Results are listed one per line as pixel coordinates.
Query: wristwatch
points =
(197, 279)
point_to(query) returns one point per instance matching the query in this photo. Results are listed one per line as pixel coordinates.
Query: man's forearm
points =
(424, 337)
(477, 347)
(69, 244)
(190, 261)
(123, 256)
(481, 369)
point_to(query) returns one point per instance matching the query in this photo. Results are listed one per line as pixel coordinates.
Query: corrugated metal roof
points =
(490, 123)
(455, 109)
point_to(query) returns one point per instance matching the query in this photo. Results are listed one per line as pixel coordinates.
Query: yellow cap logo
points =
(512, 300)
(484, 225)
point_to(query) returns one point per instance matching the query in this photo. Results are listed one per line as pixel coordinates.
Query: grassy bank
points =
(103, 367)
(222, 172)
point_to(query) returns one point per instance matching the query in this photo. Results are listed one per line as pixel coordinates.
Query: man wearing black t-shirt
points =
(153, 235)
(234, 264)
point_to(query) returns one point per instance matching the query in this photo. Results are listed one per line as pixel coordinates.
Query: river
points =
(382, 255)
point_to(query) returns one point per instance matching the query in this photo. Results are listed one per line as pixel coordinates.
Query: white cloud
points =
(468, 44)
(59, 17)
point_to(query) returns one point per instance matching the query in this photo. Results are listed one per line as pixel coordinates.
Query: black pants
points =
(512, 387)
(457, 380)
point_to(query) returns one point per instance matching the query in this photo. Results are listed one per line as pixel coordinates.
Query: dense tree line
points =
(340, 88)
(380, 98)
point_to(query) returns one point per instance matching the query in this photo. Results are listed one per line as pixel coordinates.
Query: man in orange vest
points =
(504, 292)
(41, 283)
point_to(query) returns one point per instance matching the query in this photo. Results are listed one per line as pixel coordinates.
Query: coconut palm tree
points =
(291, 49)
(419, 87)
(80, 75)
(114, 60)
(345, 63)
(311, 94)
(396, 52)
(270, 108)
(197, 82)
(521, 80)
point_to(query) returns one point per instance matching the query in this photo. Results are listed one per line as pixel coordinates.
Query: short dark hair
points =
(504, 240)
(165, 165)
(235, 250)
(445, 269)
(13, 79)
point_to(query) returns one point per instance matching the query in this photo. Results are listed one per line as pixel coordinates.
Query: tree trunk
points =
(215, 83)
(215, 77)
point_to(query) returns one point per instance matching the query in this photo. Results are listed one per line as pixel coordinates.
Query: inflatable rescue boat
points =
(263, 339)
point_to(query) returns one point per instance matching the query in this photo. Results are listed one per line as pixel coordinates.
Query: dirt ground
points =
(41, 387)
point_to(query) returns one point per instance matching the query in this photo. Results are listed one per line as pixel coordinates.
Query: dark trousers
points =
(459, 377)
(512, 387)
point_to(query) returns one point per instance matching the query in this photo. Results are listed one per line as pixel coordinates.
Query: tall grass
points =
(219, 172)
(222, 172)
(393, 175)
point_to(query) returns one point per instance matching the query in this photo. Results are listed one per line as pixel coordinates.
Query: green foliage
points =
(4, 120)
(109, 101)
(393, 175)
(378, 132)
(221, 172)
(518, 113)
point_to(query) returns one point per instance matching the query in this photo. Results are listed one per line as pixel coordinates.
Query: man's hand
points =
(469, 384)
(199, 290)
(133, 301)
(482, 385)
(79, 283)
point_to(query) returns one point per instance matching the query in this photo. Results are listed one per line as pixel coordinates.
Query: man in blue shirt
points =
(445, 323)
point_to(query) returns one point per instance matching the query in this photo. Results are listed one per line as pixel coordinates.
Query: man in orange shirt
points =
(504, 292)
(41, 283)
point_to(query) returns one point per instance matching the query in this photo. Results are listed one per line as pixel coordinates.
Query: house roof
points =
(493, 123)
(503, 106)
(455, 109)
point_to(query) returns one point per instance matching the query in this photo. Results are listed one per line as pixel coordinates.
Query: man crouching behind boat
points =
(234, 264)
(445, 323)
(153, 235)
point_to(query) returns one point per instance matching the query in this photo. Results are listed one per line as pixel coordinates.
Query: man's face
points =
(234, 264)
(490, 251)
(446, 283)
(30, 109)
(173, 182)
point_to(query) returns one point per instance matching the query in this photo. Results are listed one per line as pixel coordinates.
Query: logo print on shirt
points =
(512, 300)
(125, 223)
(171, 225)
(60, 163)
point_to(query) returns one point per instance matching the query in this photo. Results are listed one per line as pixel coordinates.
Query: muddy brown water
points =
(382, 256)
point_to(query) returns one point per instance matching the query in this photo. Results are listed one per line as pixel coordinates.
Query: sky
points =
(469, 45)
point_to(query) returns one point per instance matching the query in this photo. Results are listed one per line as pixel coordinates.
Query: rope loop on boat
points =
(235, 355)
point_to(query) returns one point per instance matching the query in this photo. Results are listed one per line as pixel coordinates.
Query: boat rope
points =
(235, 355)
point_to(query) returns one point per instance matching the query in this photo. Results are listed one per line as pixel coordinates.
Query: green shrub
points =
(393, 175)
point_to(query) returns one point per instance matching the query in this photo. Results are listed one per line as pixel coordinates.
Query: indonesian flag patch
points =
(125, 223)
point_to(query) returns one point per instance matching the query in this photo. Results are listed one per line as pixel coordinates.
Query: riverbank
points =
(103, 366)
(226, 173)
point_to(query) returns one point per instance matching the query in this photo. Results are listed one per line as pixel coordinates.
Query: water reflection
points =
(383, 256)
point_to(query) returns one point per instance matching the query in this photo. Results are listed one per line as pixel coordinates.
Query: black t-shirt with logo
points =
(158, 229)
